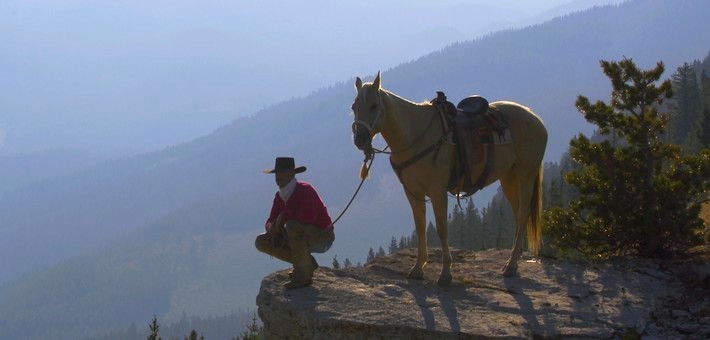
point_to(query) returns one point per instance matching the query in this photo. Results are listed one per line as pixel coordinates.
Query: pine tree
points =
(705, 89)
(414, 239)
(347, 264)
(703, 127)
(253, 331)
(380, 252)
(636, 195)
(432, 236)
(703, 131)
(336, 264)
(393, 246)
(193, 336)
(472, 226)
(456, 227)
(154, 329)
(370, 256)
(403, 242)
(498, 223)
(687, 105)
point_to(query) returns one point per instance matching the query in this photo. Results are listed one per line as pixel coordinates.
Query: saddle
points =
(476, 127)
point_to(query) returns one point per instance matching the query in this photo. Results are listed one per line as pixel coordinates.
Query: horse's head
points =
(367, 111)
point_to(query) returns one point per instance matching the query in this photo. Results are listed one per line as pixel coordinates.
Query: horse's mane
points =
(392, 94)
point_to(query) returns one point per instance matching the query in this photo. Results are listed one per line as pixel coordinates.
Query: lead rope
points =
(372, 159)
(281, 242)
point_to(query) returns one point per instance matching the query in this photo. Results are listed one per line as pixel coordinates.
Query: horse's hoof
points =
(509, 270)
(415, 274)
(444, 280)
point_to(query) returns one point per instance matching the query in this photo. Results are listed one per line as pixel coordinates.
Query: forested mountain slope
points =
(194, 207)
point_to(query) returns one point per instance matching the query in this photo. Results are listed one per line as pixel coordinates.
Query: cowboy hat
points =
(284, 164)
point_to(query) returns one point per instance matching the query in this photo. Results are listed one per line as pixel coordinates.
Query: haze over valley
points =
(132, 136)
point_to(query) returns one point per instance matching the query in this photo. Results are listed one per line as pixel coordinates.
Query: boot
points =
(313, 261)
(303, 266)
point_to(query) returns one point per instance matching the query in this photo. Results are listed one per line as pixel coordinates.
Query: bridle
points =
(399, 168)
(369, 150)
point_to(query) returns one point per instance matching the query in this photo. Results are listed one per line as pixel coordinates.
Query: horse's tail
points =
(534, 224)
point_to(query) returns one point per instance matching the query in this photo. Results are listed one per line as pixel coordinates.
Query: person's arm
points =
(276, 209)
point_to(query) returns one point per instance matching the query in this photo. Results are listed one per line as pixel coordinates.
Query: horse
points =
(410, 129)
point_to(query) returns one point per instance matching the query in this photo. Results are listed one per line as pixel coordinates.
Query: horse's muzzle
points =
(362, 139)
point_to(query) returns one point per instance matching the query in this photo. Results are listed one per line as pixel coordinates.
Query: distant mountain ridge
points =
(214, 186)
(140, 75)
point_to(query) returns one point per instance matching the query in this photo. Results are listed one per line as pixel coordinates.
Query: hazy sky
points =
(144, 74)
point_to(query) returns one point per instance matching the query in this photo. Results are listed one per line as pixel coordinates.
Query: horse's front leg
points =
(418, 205)
(440, 205)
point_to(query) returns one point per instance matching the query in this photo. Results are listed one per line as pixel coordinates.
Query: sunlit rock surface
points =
(548, 299)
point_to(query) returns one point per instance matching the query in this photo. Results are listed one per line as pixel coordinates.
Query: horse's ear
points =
(358, 83)
(376, 83)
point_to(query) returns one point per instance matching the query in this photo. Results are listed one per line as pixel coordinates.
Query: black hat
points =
(283, 164)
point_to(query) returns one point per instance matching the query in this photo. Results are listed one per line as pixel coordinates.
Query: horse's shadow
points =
(421, 291)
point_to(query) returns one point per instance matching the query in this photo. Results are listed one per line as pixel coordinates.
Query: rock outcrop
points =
(548, 299)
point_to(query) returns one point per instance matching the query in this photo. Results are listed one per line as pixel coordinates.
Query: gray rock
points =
(548, 298)
(688, 328)
(680, 314)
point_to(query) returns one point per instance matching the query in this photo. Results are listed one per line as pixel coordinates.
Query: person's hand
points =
(275, 228)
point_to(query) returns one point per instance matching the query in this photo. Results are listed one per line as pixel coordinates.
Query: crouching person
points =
(298, 224)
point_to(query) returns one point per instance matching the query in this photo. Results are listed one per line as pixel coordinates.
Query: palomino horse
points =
(409, 130)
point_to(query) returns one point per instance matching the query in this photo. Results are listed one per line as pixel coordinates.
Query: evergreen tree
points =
(154, 329)
(403, 242)
(686, 103)
(347, 264)
(253, 331)
(703, 131)
(370, 256)
(193, 336)
(456, 227)
(484, 230)
(703, 128)
(705, 89)
(472, 226)
(638, 195)
(380, 252)
(336, 264)
(432, 236)
(393, 246)
(499, 223)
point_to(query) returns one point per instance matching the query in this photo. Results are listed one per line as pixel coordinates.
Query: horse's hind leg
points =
(518, 191)
(419, 214)
(440, 205)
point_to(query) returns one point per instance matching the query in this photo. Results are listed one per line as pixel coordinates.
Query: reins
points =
(415, 142)
(282, 242)
(398, 169)
(372, 159)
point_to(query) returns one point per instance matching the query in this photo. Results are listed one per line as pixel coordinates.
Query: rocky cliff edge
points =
(547, 299)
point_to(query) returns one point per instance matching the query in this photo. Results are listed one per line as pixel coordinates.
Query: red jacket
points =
(304, 206)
